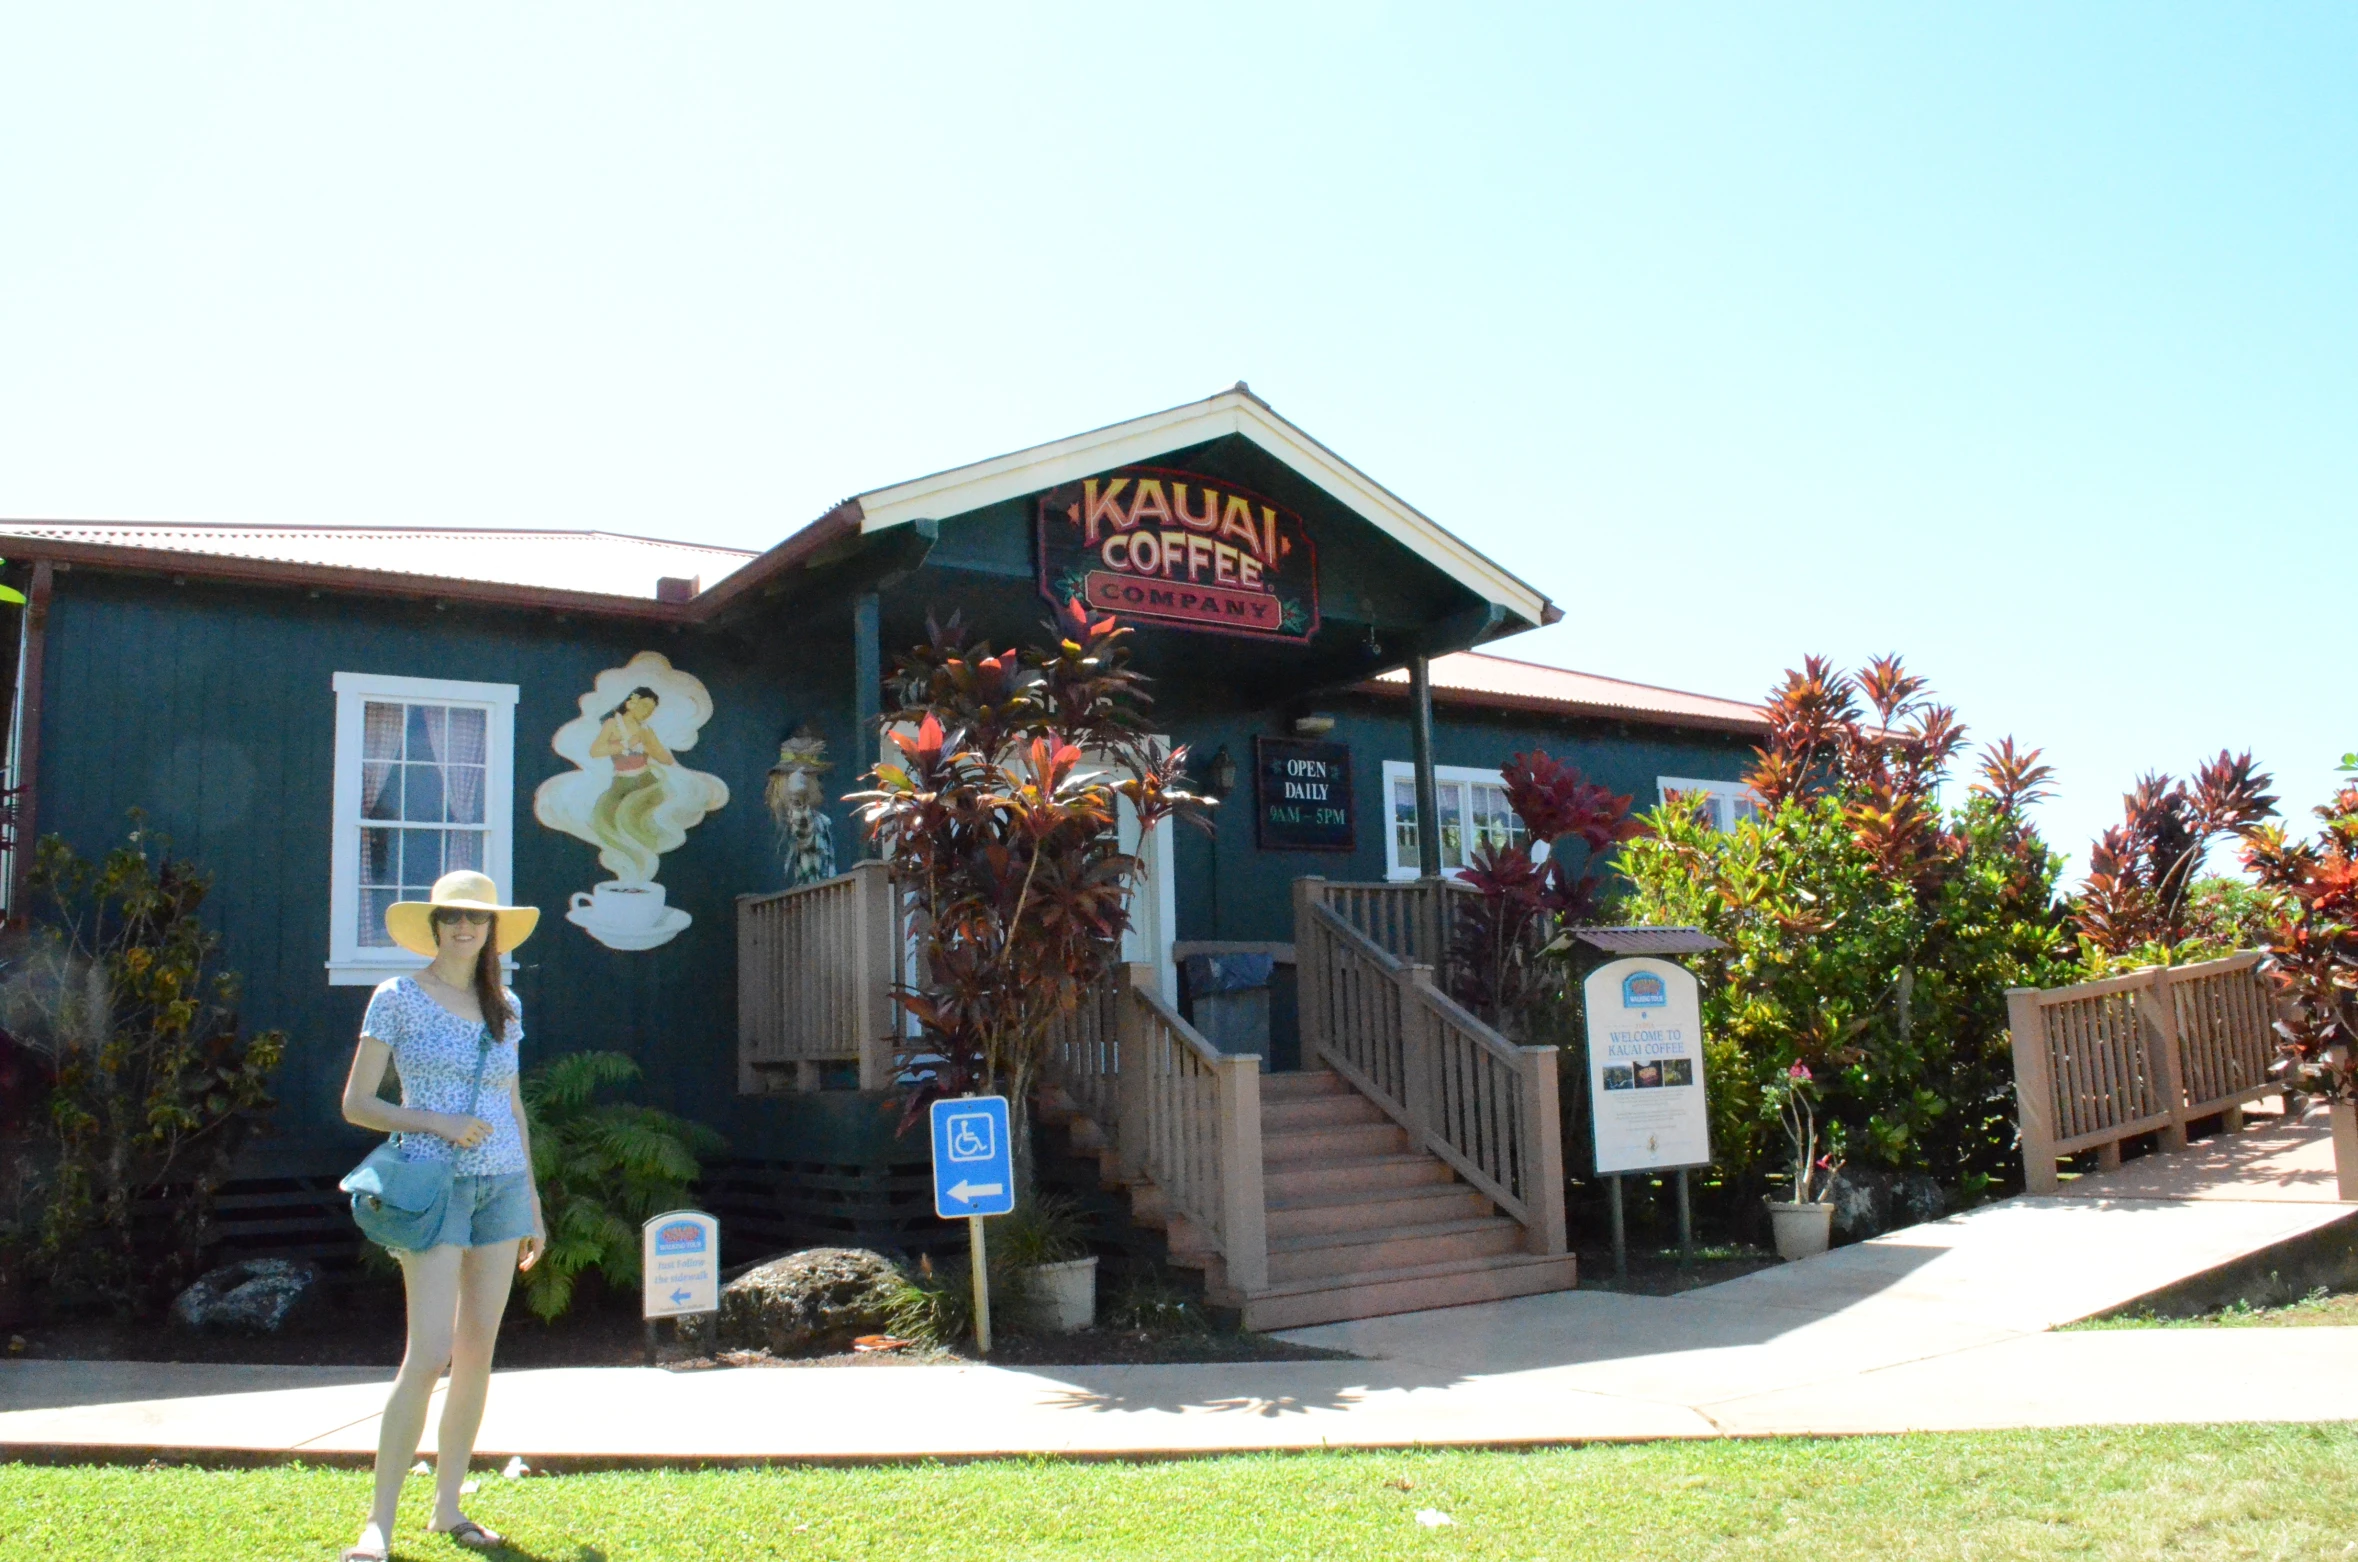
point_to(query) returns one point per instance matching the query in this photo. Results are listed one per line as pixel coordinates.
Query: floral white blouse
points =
(435, 1052)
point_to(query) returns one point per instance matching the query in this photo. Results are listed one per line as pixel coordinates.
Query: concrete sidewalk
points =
(1939, 1327)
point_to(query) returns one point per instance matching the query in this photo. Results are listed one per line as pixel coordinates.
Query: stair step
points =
(1340, 1256)
(1318, 1112)
(1299, 1086)
(1342, 1141)
(1285, 1182)
(1411, 1288)
(1379, 1209)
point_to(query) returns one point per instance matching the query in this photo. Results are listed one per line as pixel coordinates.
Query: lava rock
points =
(1861, 1196)
(1915, 1199)
(253, 1296)
(817, 1299)
(1869, 1201)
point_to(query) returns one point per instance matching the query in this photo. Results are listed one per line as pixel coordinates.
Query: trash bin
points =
(1228, 1000)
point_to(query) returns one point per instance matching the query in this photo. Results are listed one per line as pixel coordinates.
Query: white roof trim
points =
(960, 489)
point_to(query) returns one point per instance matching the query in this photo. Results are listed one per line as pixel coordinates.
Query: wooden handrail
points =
(1407, 918)
(1465, 1093)
(2148, 1051)
(816, 966)
(1182, 1116)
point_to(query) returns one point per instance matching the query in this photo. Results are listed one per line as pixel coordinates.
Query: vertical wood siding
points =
(211, 709)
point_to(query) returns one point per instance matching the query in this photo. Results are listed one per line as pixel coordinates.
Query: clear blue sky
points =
(2022, 340)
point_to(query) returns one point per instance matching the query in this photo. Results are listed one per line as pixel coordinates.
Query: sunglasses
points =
(471, 918)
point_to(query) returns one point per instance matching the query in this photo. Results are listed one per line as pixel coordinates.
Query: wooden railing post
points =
(1312, 965)
(1543, 1151)
(751, 981)
(1432, 922)
(2160, 1010)
(874, 965)
(1417, 1063)
(1132, 1061)
(1244, 1230)
(2034, 1090)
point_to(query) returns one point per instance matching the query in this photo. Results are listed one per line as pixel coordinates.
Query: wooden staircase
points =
(1420, 1166)
(1360, 1224)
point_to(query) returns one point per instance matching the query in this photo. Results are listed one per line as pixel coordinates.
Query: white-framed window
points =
(1729, 803)
(1474, 813)
(425, 785)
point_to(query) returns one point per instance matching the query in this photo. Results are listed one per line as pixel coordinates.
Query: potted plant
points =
(1046, 1242)
(1803, 1224)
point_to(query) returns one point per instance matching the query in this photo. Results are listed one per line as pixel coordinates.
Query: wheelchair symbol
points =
(970, 1137)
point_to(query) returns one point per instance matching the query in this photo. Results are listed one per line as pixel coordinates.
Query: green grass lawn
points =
(2130, 1493)
(2319, 1309)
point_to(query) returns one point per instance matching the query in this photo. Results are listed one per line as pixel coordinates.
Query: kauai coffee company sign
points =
(1304, 793)
(1180, 549)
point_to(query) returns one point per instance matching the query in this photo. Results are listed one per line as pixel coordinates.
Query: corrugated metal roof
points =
(1648, 940)
(605, 563)
(1475, 677)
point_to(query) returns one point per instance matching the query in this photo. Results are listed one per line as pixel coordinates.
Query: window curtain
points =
(462, 766)
(380, 740)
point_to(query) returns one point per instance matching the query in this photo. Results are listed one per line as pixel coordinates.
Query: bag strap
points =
(484, 1044)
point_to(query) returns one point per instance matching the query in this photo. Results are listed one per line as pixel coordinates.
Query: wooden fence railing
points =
(1181, 1115)
(815, 972)
(2148, 1052)
(1465, 1093)
(1407, 918)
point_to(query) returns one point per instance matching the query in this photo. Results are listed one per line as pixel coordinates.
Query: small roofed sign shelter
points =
(1647, 1110)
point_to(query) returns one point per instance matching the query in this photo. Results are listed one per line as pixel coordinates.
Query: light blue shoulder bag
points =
(400, 1203)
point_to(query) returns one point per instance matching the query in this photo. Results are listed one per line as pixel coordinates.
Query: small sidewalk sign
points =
(679, 1264)
(973, 1164)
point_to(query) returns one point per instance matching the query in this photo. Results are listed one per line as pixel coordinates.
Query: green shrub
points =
(1149, 1304)
(1872, 934)
(152, 1084)
(603, 1167)
(933, 1304)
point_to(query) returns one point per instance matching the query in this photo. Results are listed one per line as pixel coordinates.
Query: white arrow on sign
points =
(967, 1192)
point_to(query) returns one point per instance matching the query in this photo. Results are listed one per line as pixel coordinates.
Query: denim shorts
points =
(484, 1210)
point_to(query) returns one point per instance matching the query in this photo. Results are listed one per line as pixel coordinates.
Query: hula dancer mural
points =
(797, 797)
(629, 796)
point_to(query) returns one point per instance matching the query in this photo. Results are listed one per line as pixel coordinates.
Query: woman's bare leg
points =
(484, 1276)
(431, 1280)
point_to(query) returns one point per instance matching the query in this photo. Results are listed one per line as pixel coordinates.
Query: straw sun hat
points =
(411, 922)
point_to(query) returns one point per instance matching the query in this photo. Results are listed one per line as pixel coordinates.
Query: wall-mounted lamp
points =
(1220, 773)
(1313, 726)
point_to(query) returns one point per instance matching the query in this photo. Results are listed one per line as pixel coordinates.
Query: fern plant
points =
(603, 1167)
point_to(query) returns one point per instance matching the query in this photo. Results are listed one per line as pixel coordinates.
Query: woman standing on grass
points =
(452, 1031)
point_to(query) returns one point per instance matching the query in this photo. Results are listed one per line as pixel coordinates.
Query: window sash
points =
(423, 787)
(1474, 812)
(1724, 804)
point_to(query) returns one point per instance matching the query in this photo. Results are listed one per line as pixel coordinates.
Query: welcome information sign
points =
(1645, 1067)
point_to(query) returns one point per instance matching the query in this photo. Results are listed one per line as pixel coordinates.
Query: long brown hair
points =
(490, 996)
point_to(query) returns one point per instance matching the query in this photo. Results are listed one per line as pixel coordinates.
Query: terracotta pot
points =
(2345, 1150)
(1801, 1229)
(1068, 1291)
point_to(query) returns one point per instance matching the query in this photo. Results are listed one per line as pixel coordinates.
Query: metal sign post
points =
(973, 1177)
(1645, 1069)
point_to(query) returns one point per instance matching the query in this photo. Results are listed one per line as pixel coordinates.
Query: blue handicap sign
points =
(973, 1168)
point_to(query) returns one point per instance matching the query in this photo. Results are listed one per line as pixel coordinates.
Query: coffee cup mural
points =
(629, 796)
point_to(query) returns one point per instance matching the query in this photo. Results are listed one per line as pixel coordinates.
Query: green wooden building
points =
(327, 718)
